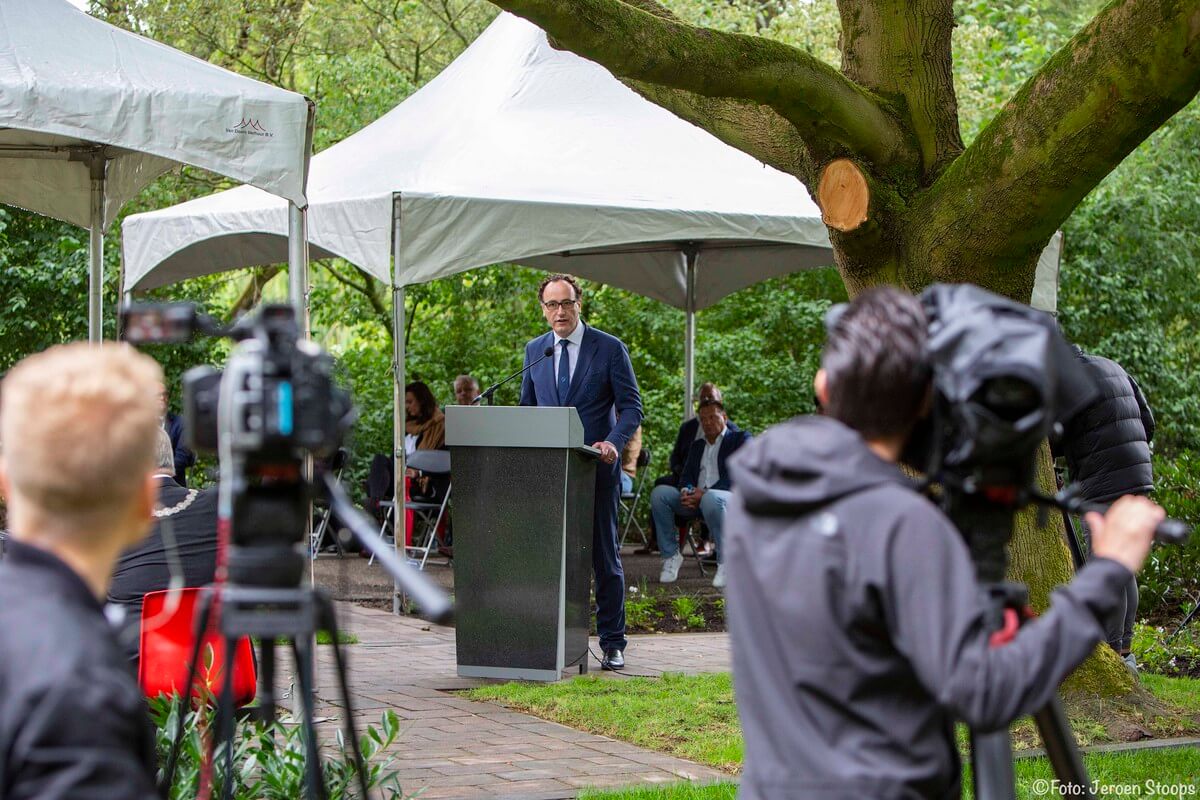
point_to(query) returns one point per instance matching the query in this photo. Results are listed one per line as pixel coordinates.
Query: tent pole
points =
(97, 165)
(399, 518)
(689, 342)
(298, 265)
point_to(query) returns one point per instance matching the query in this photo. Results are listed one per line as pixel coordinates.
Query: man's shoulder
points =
(35, 623)
(539, 340)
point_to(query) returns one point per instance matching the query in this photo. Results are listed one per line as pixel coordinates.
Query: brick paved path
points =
(452, 747)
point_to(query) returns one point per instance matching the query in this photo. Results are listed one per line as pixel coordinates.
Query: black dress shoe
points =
(614, 659)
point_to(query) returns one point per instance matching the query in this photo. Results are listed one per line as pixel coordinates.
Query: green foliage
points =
(684, 607)
(1129, 288)
(998, 45)
(641, 607)
(1170, 580)
(269, 760)
(1162, 651)
(44, 282)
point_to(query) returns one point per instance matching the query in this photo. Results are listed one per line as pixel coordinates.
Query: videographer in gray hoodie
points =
(859, 632)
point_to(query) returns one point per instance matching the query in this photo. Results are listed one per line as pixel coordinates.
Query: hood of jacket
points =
(804, 464)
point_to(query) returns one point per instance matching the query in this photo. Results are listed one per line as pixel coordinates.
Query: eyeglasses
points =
(567, 305)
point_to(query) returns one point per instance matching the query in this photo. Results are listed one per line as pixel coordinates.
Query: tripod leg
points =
(225, 721)
(1061, 749)
(1073, 541)
(302, 652)
(266, 698)
(992, 766)
(330, 620)
(184, 702)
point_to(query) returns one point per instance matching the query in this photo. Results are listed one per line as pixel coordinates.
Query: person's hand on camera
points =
(1126, 531)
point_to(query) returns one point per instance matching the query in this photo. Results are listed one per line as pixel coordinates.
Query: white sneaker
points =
(719, 579)
(670, 569)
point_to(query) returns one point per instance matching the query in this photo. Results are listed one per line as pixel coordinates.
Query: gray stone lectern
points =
(524, 484)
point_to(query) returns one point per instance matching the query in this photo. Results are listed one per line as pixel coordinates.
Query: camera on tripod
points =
(274, 404)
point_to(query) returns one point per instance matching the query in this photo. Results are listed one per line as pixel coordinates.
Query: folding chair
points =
(630, 500)
(688, 530)
(435, 464)
(336, 464)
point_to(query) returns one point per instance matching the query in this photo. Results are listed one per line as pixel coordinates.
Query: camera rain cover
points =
(1003, 372)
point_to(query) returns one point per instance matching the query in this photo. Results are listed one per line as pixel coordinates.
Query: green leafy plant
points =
(684, 606)
(1156, 651)
(641, 607)
(269, 759)
(696, 620)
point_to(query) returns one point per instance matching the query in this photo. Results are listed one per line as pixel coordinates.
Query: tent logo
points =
(249, 127)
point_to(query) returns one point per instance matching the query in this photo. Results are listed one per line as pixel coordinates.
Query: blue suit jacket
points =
(734, 438)
(603, 383)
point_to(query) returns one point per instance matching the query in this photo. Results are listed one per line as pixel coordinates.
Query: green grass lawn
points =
(689, 716)
(694, 717)
(1168, 774)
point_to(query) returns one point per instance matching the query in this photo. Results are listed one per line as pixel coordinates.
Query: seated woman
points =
(424, 429)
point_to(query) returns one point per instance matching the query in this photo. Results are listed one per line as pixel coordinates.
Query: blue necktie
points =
(564, 374)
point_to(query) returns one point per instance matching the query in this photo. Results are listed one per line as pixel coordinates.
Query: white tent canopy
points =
(90, 114)
(515, 152)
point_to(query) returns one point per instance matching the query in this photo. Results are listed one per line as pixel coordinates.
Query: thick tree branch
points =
(832, 114)
(1121, 77)
(751, 128)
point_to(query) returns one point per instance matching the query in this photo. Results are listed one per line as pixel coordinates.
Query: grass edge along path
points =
(694, 717)
(1169, 774)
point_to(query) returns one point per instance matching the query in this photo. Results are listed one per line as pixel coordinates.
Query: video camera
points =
(274, 404)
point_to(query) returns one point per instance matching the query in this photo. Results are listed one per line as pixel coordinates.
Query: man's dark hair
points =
(876, 372)
(565, 279)
(711, 402)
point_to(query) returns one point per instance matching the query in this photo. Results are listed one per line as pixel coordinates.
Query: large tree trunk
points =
(933, 210)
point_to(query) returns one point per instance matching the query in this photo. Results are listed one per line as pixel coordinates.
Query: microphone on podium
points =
(491, 390)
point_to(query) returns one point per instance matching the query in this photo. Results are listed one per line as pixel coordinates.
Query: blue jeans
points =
(665, 505)
(626, 483)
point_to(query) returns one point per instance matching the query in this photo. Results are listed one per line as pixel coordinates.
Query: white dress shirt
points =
(710, 473)
(574, 342)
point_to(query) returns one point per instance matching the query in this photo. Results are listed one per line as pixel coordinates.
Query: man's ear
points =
(821, 387)
(3, 480)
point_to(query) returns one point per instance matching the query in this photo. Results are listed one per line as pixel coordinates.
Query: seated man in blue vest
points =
(703, 489)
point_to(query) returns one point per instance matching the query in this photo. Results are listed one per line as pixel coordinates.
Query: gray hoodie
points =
(858, 629)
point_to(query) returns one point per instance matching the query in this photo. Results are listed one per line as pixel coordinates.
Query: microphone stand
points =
(489, 393)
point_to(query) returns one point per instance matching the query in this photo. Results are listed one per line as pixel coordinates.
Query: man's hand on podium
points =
(608, 451)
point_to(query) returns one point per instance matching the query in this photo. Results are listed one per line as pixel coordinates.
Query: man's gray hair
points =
(164, 453)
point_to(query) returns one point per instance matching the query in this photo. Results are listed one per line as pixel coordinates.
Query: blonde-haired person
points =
(78, 427)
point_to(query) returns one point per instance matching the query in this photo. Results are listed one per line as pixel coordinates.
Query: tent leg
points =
(689, 342)
(298, 265)
(96, 253)
(399, 518)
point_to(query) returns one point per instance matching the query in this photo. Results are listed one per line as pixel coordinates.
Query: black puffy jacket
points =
(1107, 444)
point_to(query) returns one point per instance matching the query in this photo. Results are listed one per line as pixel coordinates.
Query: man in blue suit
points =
(591, 371)
(703, 489)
